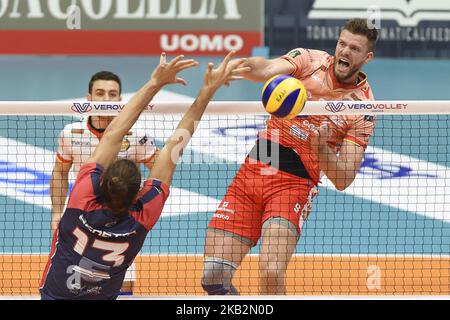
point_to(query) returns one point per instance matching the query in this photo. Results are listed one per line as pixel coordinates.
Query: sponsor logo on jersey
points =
(102, 233)
(369, 118)
(221, 216)
(80, 143)
(224, 208)
(294, 53)
(125, 145)
(158, 189)
(110, 224)
(296, 131)
(143, 140)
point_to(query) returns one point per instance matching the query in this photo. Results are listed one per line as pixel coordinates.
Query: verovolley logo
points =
(404, 12)
(81, 108)
(335, 107)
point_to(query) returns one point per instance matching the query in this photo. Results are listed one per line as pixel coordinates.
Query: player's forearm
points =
(59, 186)
(130, 113)
(196, 110)
(260, 69)
(340, 172)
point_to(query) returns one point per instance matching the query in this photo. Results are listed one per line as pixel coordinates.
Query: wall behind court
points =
(409, 28)
(47, 78)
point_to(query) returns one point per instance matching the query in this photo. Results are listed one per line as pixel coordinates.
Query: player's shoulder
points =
(315, 53)
(310, 60)
(318, 54)
(312, 57)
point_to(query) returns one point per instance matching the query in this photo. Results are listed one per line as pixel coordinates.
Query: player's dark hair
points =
(361, 27)
(120, 185)
(105, 75)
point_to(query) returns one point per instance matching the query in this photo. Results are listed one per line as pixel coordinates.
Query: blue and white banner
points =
(408, 28)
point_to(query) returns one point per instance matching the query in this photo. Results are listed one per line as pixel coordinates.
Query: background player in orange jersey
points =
(271, 195)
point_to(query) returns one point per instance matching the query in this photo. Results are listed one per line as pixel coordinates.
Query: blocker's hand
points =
(166, 73)
(226, 72)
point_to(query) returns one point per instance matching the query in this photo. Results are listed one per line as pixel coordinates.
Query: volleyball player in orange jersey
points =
(271, 195)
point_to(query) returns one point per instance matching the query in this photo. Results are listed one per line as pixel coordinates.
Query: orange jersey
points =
(315, 69)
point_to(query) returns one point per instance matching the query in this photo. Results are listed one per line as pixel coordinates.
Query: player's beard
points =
(343, 77)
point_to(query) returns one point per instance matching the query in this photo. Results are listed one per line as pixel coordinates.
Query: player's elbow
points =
(342, 184)
(344, 179)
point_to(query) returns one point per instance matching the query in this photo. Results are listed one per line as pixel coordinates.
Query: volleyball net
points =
(388, 233)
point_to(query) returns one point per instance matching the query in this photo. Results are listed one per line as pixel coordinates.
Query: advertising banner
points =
(407, 28)
(137, 27)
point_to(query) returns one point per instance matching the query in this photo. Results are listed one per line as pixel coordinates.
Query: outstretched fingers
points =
(239, 71)
(235, 64)
(210, 67)
(163, 58)
(181, 81)
(176, 60)
(233, 71)
(185, 64)
(166, 72)
(226, 60)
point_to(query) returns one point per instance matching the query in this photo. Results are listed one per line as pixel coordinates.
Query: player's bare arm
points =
(262, 69)
(151, 162)
(165, 73)
(340, 169)
(214, 78)
(59, 185)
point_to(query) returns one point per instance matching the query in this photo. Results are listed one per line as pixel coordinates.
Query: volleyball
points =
(284, 96)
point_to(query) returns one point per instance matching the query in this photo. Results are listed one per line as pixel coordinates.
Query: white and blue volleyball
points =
(284, 96)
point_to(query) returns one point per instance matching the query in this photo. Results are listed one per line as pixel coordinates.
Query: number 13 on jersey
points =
(116, 250)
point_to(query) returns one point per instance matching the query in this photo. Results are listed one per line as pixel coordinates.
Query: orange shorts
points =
(258, 193)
